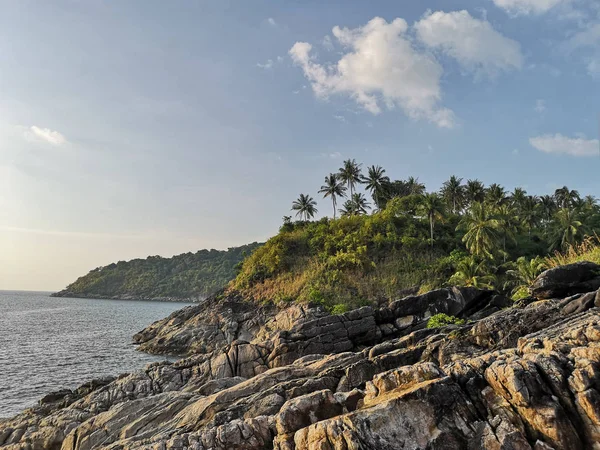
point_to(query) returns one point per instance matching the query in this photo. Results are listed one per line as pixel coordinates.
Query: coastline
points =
(62, 294)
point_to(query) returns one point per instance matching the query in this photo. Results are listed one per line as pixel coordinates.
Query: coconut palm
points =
(357, 204)
(333, 188)
(482, 231)
(347, 209)
(432, 206)
(530, 212)
(547, 208)
(414, 186)
(566, 229)
(565, 197)
(376, 182)
(305, 207)
(471, 272)
(517, 198)
(360, 203)
(590, 202)
(454, 193)
(524, 274)
(474, 191)
(495, 195)
(508, 224)
(350, 174)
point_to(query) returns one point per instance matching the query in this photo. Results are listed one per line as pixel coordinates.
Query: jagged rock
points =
(519, 378)
(562, 281)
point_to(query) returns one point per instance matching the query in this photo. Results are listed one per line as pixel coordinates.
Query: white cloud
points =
(335, 155)
(380, 68)
(268, 65)
(524, 7)
(46, 135)
(474, 43)
(339, 117)
(540, 106)
(271, 21)
(559, 144)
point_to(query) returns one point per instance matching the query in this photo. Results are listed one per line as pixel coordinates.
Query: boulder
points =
(563, 281)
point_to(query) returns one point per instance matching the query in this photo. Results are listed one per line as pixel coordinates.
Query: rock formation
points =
(523, 376)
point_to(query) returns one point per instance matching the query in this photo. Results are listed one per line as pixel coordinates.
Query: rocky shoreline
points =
(515, 376)
(67, 294)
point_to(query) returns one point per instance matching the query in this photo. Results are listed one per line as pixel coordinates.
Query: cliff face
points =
(519, 377)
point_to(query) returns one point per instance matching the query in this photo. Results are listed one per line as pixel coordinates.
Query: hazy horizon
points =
(138, 128)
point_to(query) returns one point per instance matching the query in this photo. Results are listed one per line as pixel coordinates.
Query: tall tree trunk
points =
(334, 206)
(431, 228)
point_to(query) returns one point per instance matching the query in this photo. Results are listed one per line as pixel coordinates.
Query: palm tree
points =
(530, 212)
(376, 182)
(414, 187)
(474, 191)
(495, 195)
(305, 207)
(524, 274)
(454, 193)
(360, 203)
(432, 206)
(470, 272)
(547, 208)
(518, 197)
(397, 188)
(508, 223)
(357, 204)
(347, 208)
(482, 231)
(590, 202)
(565, 197)
(566, 230)
(334, 189)
(349, 173)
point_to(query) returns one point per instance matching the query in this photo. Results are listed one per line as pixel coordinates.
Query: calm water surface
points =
(51, 343)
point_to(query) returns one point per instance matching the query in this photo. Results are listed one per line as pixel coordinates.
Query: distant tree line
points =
(189, 275)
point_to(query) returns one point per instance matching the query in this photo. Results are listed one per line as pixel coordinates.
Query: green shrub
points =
(340, 308)
(440, 320)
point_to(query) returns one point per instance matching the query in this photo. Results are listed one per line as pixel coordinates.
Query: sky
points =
(135, 128)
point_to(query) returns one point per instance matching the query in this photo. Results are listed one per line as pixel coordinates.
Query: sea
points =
(47, 343)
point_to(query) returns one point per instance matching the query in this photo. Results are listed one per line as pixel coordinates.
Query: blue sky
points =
(150, 127)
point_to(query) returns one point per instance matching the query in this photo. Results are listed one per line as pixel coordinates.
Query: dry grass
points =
(588, 250)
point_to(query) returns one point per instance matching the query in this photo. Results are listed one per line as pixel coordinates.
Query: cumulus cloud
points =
(474, 43)
(46, 135)
(380, 68)
(559, 144)
(271, 21)
(524, 7)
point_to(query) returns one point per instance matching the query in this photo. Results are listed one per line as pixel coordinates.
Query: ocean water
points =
(47, 344)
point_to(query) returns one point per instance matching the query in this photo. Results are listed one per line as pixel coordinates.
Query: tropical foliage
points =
(471, 234)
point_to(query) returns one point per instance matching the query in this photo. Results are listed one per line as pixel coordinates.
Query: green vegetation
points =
(189, 275)
(587, 250)
(440, 320)
(465, 234)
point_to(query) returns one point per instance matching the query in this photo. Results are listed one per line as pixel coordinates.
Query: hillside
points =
(510, 376)
(185, 276)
